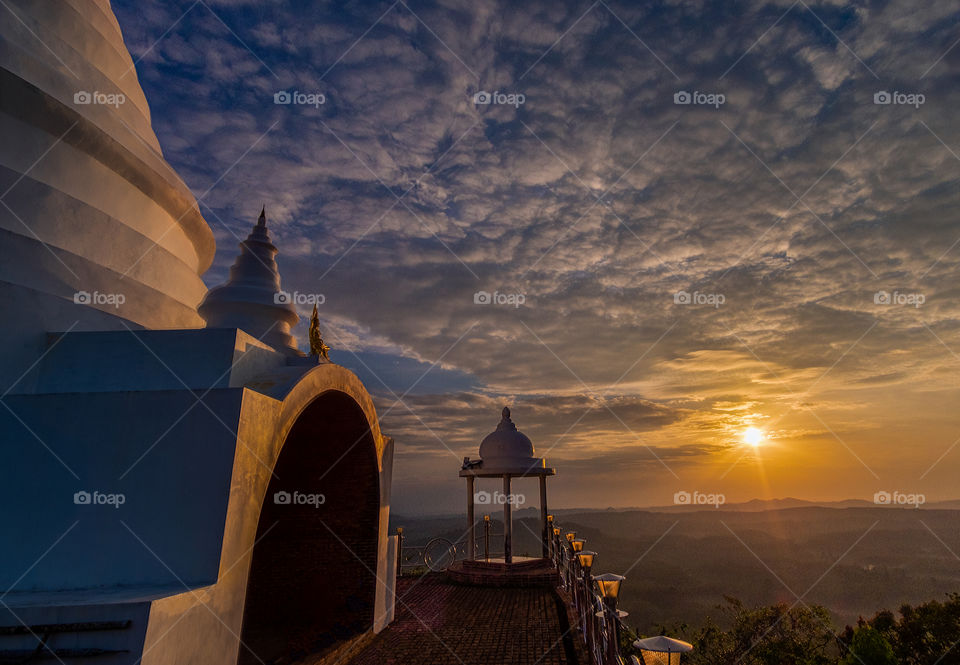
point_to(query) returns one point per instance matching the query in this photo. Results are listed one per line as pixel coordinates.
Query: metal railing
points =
(438, 554)
(598, 618)
(435, 556)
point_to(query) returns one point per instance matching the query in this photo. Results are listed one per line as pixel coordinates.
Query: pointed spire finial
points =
(505, 422)
(263, 216)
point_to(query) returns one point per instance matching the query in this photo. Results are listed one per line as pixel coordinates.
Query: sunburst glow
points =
(753, 436)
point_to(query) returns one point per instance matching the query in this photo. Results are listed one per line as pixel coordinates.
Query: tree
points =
(869, 647)
(775, 635)
(927, 634)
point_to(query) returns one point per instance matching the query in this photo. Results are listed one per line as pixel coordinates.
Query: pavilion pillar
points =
(507, 522)
(471, 534)
(544, 527)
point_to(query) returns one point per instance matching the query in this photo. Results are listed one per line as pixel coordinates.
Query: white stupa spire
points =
(251, 298)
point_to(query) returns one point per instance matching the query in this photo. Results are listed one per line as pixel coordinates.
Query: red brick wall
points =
(307, 590)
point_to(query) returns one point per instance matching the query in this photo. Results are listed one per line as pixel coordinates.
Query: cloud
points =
(598, 199)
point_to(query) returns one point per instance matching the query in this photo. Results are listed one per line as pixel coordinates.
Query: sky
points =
(645, 227)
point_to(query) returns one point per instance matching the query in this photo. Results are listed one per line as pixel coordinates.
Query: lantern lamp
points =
(586, 558)
(609, 584)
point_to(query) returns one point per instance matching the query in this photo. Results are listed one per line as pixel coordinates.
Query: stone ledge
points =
(530, 573)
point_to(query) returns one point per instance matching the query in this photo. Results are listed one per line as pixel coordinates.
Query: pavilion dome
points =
(506, 446)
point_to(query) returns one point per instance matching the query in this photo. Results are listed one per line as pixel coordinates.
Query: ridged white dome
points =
(93, 205)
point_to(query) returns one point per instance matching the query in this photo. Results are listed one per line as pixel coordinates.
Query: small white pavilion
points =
(506, 453)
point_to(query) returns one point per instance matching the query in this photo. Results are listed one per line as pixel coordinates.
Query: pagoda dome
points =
(507, 446)
(251, 298)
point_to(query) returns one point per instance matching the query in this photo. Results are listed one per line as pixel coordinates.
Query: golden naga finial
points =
(317, 347)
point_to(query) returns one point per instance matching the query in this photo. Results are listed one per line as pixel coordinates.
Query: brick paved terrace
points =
(440, 623)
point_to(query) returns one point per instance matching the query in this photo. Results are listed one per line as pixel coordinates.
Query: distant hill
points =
(852, 557)
(752, 506)
(755, 505)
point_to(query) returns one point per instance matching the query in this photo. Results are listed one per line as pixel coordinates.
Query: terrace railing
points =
(438, 554)
(599, 620)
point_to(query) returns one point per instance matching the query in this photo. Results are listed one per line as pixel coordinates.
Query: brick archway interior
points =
(312, 578)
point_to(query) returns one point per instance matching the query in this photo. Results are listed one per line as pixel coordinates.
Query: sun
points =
(753, 436)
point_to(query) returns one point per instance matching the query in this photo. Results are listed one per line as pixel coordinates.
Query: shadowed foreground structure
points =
(438, 623)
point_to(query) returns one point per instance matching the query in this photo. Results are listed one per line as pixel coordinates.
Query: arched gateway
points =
(306, 563)
(312, 582)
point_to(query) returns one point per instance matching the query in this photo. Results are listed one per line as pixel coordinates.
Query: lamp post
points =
(567, 555)
(556, 546)
(585, 558)
(570, 535)
(471, 534)
(486, 537)
(548, 537)
(609, 585)
(399, 551)
(576, 546)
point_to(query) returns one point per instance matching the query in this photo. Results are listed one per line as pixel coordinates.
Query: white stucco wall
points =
(118, 413)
